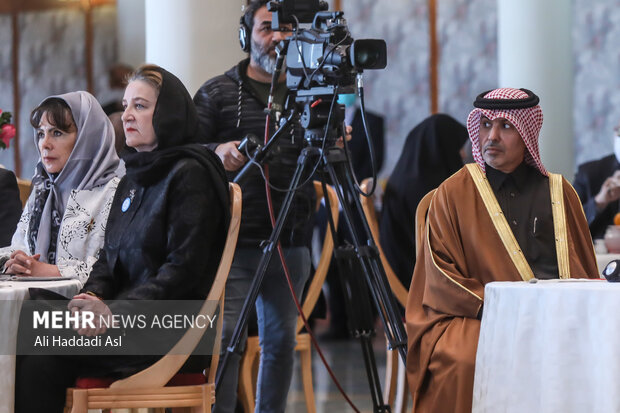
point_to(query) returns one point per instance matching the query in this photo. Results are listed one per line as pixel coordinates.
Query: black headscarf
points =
(175, 122)
(430, 155)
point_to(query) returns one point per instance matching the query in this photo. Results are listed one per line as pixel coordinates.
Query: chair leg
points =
(391, 375)
(402, 389)
(306, 377)
(247, 385)
(80, 401)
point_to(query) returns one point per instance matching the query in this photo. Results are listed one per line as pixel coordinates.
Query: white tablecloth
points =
(553, 346)
(12, 293)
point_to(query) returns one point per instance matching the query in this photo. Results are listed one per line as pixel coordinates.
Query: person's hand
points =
(230, 156)
(87, 303)
(610, 191)
(348, 133)
(15, 264)
(23, 264)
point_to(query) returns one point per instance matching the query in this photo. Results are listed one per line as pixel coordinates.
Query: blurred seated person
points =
(598, 185)
(164, 237)
(61, 229)
(118, 75)
(119, 140)
(358, 145)
(433, 151)
(503, 218)
(11, 206)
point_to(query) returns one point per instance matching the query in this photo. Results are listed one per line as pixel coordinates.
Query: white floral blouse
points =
(81, 234)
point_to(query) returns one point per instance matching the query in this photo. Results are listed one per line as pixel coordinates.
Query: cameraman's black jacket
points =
(229, 109)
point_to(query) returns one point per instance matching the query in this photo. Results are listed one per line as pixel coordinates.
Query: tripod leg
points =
(233, 347)
(360, 317)
(367, 253)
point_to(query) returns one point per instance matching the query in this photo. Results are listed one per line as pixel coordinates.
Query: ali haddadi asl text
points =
(81, 341)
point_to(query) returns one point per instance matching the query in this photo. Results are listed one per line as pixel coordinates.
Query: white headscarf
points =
(92, 163)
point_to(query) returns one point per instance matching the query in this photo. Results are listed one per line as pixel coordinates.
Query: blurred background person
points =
(433, 151)
(598, 185)
(11, 206)
(119, 141)
(118, 75)
(62, 226)
(358, 146)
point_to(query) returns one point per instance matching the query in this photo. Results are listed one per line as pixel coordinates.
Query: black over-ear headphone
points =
(244, 34)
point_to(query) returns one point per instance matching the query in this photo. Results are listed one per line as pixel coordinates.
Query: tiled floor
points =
(345, 359)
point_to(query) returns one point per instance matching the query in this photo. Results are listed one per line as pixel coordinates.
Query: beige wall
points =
(194, 39)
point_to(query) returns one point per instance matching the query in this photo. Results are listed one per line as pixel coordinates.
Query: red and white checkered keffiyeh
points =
(528, 122)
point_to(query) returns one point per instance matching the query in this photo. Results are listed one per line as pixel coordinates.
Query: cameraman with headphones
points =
(231, 106)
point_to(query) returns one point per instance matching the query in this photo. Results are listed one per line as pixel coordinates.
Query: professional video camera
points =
(322, 61)
(325, 55)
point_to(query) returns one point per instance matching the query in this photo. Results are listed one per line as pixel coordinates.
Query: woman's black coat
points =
(167, 244)
(169, 218)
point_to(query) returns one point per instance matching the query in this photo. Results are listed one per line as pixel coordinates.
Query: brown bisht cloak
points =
(462, 252)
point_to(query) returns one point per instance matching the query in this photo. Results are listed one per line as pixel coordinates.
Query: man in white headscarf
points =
(503, 218)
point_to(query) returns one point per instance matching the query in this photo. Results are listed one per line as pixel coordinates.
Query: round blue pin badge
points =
(126, 204)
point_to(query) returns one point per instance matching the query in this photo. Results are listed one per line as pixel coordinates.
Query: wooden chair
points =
(248, 370)
(368, 205)
(420, 218)
(147, 388)
(395, 392)
(395, 377)
(25, 186)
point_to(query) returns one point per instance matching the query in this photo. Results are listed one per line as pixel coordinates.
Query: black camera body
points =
(295, 11)
(325, 55)
(321, 62)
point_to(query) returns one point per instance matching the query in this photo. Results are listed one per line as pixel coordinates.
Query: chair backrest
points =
(314, 289)
(420, 218)
(25, 186)
(368, 205)
(162, 371)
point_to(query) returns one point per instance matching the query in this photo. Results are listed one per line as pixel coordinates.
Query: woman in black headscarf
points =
(430, 155)
(165, 234)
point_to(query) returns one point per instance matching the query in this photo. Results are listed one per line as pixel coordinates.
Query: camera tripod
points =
(331, 161)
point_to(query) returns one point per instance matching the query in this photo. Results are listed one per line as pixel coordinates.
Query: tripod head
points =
(321, 117)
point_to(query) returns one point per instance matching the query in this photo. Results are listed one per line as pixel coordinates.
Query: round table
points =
(12, 294)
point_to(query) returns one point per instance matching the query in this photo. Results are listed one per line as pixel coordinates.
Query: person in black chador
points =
(164, 237)
(432, 153)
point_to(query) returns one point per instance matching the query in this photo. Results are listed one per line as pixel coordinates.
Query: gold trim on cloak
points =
(559, 224)
(505, 233)
(432, 254)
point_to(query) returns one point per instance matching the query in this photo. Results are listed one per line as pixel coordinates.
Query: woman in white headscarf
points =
(62, 227)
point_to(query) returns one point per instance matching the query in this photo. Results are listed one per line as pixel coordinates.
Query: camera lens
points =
(369, 54)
